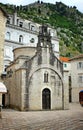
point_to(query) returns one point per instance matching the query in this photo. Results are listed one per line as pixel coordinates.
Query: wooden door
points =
(46, 99)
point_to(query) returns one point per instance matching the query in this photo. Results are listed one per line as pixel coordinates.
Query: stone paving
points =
(71, 119)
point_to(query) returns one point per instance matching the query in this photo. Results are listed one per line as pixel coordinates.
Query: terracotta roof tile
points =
(64, 59)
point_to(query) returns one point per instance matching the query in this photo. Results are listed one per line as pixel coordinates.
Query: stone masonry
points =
(2, 37)
(35, 80)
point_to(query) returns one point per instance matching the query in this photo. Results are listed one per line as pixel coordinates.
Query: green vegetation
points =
(68, 22)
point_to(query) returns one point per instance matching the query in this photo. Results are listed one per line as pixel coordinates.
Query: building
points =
(76, 77)
(67, 73)
(73, 68)
(20, 32)
(66, 63)
(3, 17)
(35, 80)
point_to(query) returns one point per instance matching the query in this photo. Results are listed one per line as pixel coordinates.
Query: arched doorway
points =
(81, 97)
(46, 99)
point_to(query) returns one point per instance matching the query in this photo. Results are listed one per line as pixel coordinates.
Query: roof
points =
(2, 88)
(64, 59)
(4, 12)
(76, 57)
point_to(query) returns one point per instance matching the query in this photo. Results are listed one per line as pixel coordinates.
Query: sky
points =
(77, 3)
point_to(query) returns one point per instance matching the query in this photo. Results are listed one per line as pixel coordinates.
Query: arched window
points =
(21, 24)
(21, 38)
(46, 77)
(32, 40)
(8, 35)
(32, 28)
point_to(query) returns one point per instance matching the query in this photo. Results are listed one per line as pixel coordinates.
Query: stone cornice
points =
(21, 29)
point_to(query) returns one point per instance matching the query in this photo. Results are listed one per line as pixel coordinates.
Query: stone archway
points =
(46, 99)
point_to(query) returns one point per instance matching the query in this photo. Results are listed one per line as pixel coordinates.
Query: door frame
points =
(46, 99)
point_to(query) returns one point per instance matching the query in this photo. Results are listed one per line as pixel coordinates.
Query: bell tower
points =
(44, 46)
(44, 38)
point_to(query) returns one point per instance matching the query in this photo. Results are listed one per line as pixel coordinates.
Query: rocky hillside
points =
(68, 21)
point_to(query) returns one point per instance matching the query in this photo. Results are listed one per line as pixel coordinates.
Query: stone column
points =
(66, 91)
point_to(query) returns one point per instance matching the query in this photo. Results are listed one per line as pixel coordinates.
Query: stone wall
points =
(37, 85)
(76, 84)
(2, 34)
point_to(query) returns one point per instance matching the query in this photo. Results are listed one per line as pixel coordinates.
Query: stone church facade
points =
(35, 79)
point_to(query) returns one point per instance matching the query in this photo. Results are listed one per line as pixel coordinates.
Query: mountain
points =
(68, 21)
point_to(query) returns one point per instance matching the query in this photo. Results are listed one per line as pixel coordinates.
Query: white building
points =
(66, 63)
(76, 77)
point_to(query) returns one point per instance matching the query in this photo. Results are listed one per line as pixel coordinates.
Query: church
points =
(35, 78)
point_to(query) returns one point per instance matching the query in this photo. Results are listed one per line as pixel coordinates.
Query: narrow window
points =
(80, 79)
(32, 28)
(46, 77)
(80, 65)
(65, 65)
(21, 24)
(20, 38)
(8, 35)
